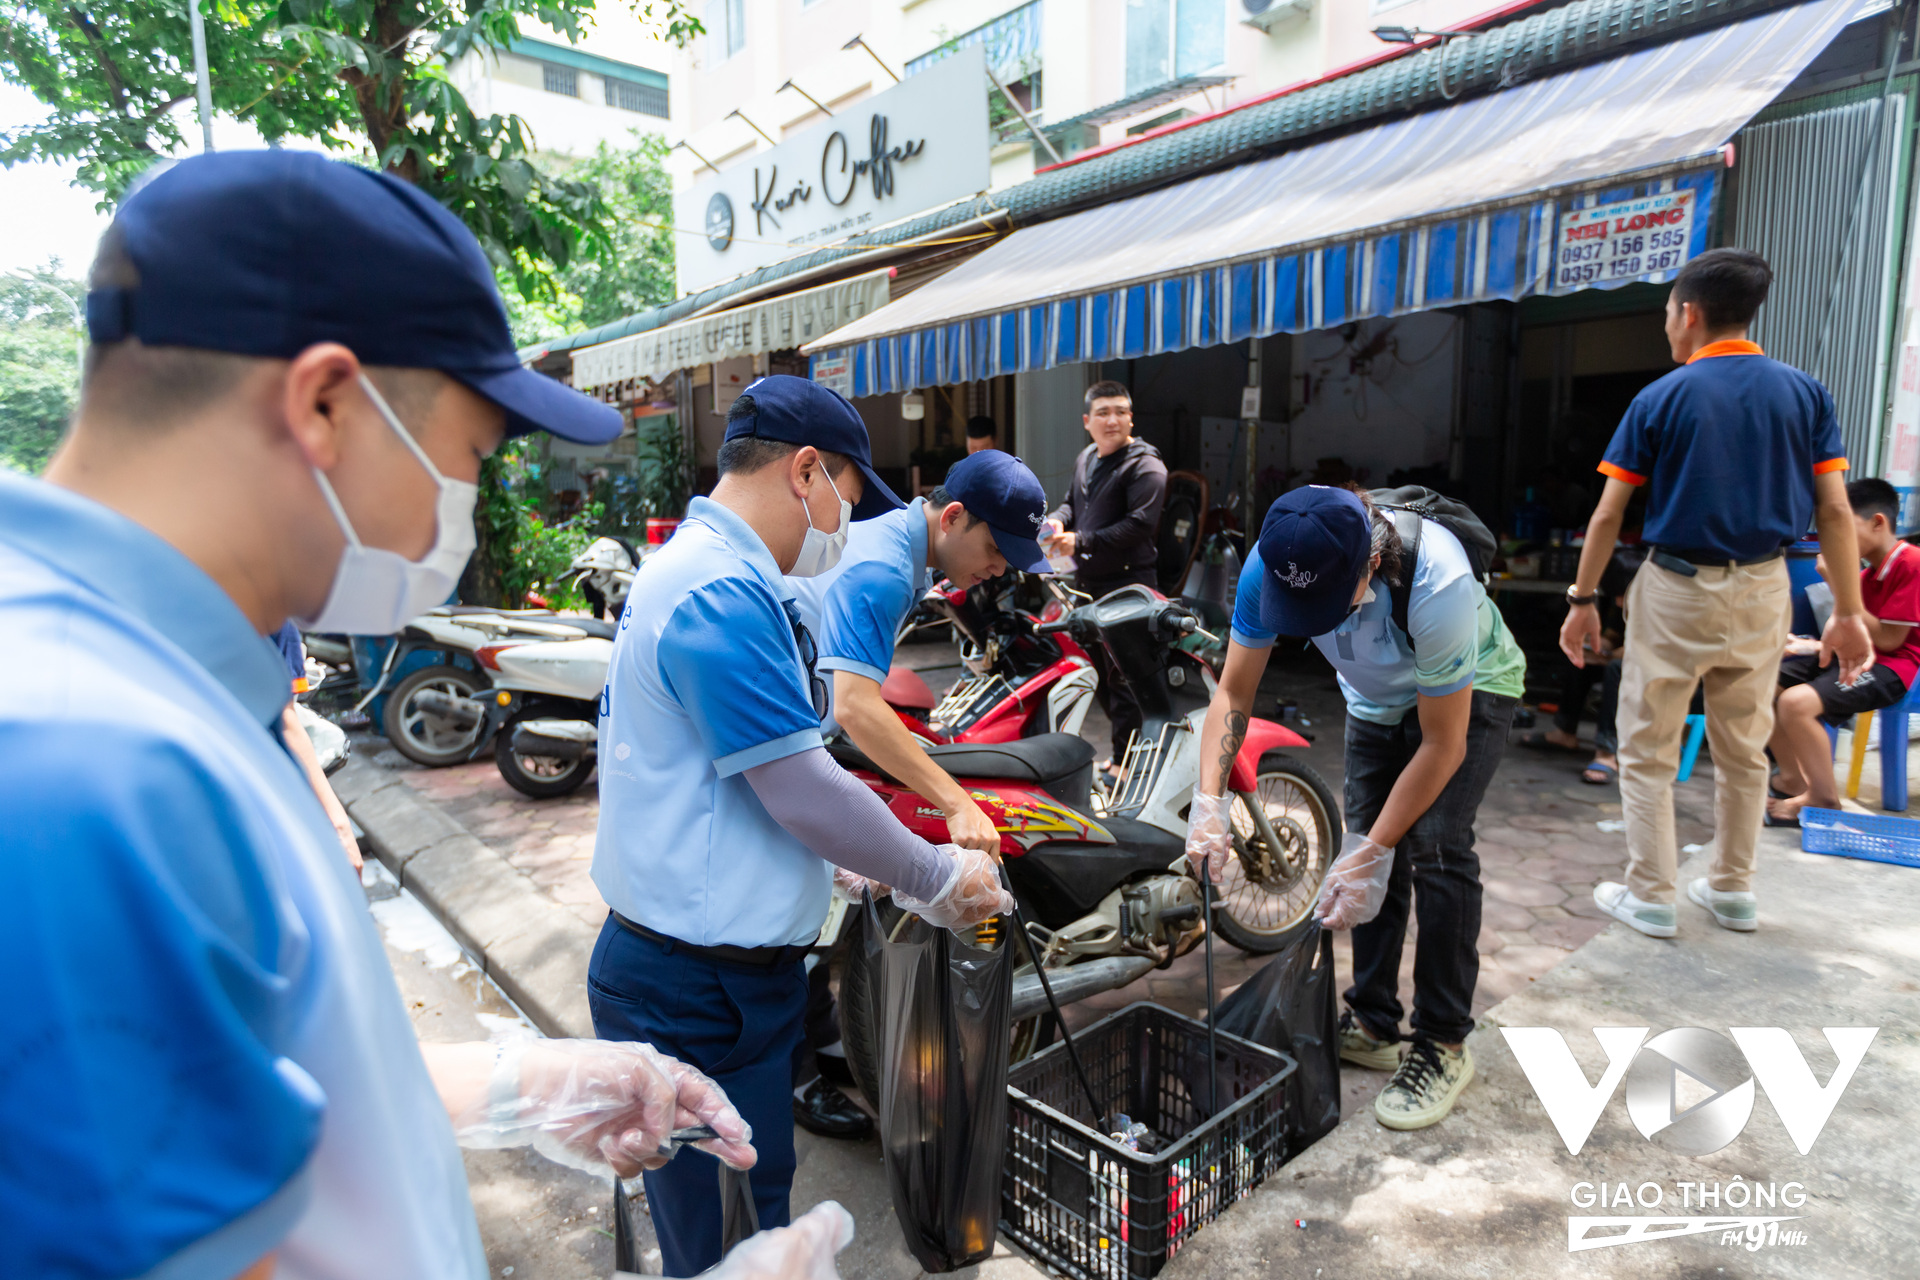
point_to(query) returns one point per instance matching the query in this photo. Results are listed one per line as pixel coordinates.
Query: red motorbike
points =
(1101, 876)
(1019, 681)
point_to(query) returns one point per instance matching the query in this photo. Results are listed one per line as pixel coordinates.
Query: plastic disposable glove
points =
(1209, 835)
(599, 1104)
(1356, 883)
(972, 892)
(803, 1251)
(855, 886)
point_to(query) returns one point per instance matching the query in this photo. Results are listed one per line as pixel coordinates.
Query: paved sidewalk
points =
(1489, 1192)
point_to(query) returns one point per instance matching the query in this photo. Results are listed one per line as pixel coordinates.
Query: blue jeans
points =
(1435, 872)
(738, 1023)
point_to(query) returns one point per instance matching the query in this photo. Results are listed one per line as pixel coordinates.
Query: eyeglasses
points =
(810, 656)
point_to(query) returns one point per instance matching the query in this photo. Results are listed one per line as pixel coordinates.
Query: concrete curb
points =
(536, 949)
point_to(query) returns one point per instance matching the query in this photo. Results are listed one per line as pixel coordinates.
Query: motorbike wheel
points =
(542, 777)
(422, 736)
(1263, 893)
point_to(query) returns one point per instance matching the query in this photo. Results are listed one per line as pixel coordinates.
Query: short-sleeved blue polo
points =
(1728, 446)
(1459, 640)
(206, 1058)
(855, 609)
(706, 682)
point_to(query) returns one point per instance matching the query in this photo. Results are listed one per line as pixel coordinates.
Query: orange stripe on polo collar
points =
(1727, 347)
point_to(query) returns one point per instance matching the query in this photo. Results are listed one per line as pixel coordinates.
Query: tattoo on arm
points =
(1230, 745)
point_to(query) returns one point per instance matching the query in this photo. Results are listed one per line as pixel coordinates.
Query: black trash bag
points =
(739, 1218)
(1289, 1006)
(944, 1011)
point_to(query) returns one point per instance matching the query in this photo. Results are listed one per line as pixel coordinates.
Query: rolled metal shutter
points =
(1799, 180)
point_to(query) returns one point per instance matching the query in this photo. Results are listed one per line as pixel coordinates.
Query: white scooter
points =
(437, 715)
(544, 707)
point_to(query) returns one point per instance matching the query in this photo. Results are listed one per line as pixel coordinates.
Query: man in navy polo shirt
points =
(1738, 453)
(720, 810)
(295, 368)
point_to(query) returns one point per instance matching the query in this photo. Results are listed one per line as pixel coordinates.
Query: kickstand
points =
(1073, 1053)
(1213, 1053)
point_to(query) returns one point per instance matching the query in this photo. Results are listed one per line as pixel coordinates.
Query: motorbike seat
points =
(1044, 758)
(594, 627)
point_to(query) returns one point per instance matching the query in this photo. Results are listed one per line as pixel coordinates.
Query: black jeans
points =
(1116, 699)
(1574, 687)
(1435, 864)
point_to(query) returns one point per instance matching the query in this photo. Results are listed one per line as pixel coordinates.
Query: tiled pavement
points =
(1540, 848)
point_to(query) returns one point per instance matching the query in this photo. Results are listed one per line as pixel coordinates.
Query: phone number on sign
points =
(1624, 263)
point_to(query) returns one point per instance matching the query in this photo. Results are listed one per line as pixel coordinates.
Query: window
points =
(644, 98)
(560, 79)
(726, 24)
(1173, 39)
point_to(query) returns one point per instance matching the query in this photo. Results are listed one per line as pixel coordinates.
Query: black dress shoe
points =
(824, 1110)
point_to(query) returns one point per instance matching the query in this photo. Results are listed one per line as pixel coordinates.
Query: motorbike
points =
(436, 711)
(1101, 874)
(1018, 682)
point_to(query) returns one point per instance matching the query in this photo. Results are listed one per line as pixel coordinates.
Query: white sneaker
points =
(1655, 919)
(1731, 908)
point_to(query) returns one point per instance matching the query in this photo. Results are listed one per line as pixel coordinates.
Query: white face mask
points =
(819, 551)
(376, 592)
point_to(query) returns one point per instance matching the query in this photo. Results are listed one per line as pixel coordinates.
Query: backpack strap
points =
(1400, 590)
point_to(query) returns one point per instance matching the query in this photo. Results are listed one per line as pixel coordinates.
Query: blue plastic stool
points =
(1696, 733)
(1893, 751)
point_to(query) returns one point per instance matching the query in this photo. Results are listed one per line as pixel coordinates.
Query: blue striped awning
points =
(1465, 204)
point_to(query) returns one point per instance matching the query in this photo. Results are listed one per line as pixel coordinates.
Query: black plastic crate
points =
(1092, 1207)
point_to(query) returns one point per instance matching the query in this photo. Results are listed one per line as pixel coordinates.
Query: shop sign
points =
(834, 371)
(921, 144)
(1623, 241)
(1903, 441)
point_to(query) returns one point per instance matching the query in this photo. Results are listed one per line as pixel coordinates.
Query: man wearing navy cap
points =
(209, 1070)
(721, 814)
(1429, 702)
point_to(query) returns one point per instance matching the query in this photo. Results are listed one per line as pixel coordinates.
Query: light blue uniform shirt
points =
(855, 609)
(206, 1058)
(1460, 637)
(706, 682)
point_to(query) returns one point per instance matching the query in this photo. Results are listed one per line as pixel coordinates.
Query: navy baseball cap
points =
(1003, 491)
(801, 411)
(265, 253)
(1315, 545)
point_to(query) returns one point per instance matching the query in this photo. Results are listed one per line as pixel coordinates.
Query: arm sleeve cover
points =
(838, 817)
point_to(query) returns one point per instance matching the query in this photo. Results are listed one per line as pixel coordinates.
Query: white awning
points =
(1461, 204)
(774, 325)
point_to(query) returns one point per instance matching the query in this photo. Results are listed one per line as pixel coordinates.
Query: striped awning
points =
(1466, 204)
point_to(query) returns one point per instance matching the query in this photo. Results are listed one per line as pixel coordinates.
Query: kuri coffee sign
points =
(921, 144)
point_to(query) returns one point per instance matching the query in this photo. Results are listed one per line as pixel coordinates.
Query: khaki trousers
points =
(1722, 629)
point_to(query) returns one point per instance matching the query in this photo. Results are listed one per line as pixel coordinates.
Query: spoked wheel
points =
(1270, 883)
(430, 737)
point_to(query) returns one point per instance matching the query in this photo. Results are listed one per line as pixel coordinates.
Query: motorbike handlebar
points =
(1063, 623)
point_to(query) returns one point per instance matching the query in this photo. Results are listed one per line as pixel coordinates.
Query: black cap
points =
(265, 253)
(800, 411)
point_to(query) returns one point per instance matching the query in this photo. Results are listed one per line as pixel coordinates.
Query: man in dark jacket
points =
(1108, 523)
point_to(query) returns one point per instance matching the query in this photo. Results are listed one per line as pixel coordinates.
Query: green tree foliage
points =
(366, 76)
(636, 273)
(39, 377)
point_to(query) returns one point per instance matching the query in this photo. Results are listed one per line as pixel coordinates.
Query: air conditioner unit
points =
(1268, 14)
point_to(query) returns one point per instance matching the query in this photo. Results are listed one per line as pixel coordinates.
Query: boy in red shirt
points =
(1809, 694)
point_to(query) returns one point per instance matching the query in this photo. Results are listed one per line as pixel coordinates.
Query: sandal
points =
(1608, 774)
(1540, 742)
(1768, 820)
